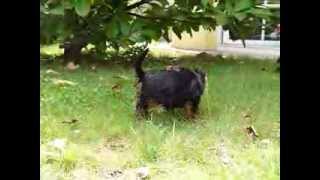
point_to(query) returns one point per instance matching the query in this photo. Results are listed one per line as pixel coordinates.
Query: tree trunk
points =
(72, 49)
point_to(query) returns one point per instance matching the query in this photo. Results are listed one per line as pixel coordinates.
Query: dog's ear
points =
(203, 74)
(197, 71)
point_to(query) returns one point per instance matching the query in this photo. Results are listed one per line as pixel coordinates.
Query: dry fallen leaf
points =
(116, 88)
(71, 66)
(143, 172)
(121, 77)
(61, 82)
(70, 122)
(251, 132)
(93, 67)
(50, 71)
(246, 115)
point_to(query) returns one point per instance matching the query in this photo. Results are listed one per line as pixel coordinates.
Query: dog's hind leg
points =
(195, 105)
(142, 107)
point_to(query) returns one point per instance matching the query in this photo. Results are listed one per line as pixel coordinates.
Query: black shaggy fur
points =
(176, 88)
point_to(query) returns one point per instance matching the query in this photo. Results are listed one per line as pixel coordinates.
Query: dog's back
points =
(172, 88)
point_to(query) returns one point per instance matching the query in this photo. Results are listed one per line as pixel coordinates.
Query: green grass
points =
(51, 49)
(107, 136)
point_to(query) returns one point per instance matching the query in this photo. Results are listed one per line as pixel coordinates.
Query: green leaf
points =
(125, 28)
(82, 7)
(222, 19)
(58, 10)
(43, 9)
(137, 37)
(189, 31)
(163, 2)
(262, 13)
(67, 4)
(229, 4)
(137, 25)
(123, 21)
(142, 30)
(108, 6)
(166, 35)
(156, 10)
(113, 28)
(241, 30)
(240, 15)
(116, 3)
(243, 5)
(150, 33)
(195, 27)
(204, 2)
(177, 32)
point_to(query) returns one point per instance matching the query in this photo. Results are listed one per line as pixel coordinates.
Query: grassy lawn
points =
(106, 137)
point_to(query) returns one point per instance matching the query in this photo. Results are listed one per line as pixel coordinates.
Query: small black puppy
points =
(170, 88)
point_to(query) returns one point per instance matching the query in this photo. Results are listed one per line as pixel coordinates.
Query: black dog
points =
(170, 88)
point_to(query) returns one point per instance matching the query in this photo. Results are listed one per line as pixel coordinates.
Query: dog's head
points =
(202, 76)
(199, 83)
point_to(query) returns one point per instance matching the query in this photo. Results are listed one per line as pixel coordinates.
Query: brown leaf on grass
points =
(111, 173)
(62, 82)
(121, 77)
(50, 71)
(71, 66)
(70, 122)
(116, 88)
(247, 115)
(251, 132)
(93, 67)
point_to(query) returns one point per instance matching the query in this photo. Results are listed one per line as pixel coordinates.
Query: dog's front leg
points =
(189, 110)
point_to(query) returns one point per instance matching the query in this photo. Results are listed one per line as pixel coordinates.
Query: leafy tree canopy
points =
(122, 23)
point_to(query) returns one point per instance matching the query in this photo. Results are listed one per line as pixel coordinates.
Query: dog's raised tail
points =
(138, 64)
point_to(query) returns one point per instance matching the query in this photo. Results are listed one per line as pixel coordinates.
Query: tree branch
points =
(160, 18)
